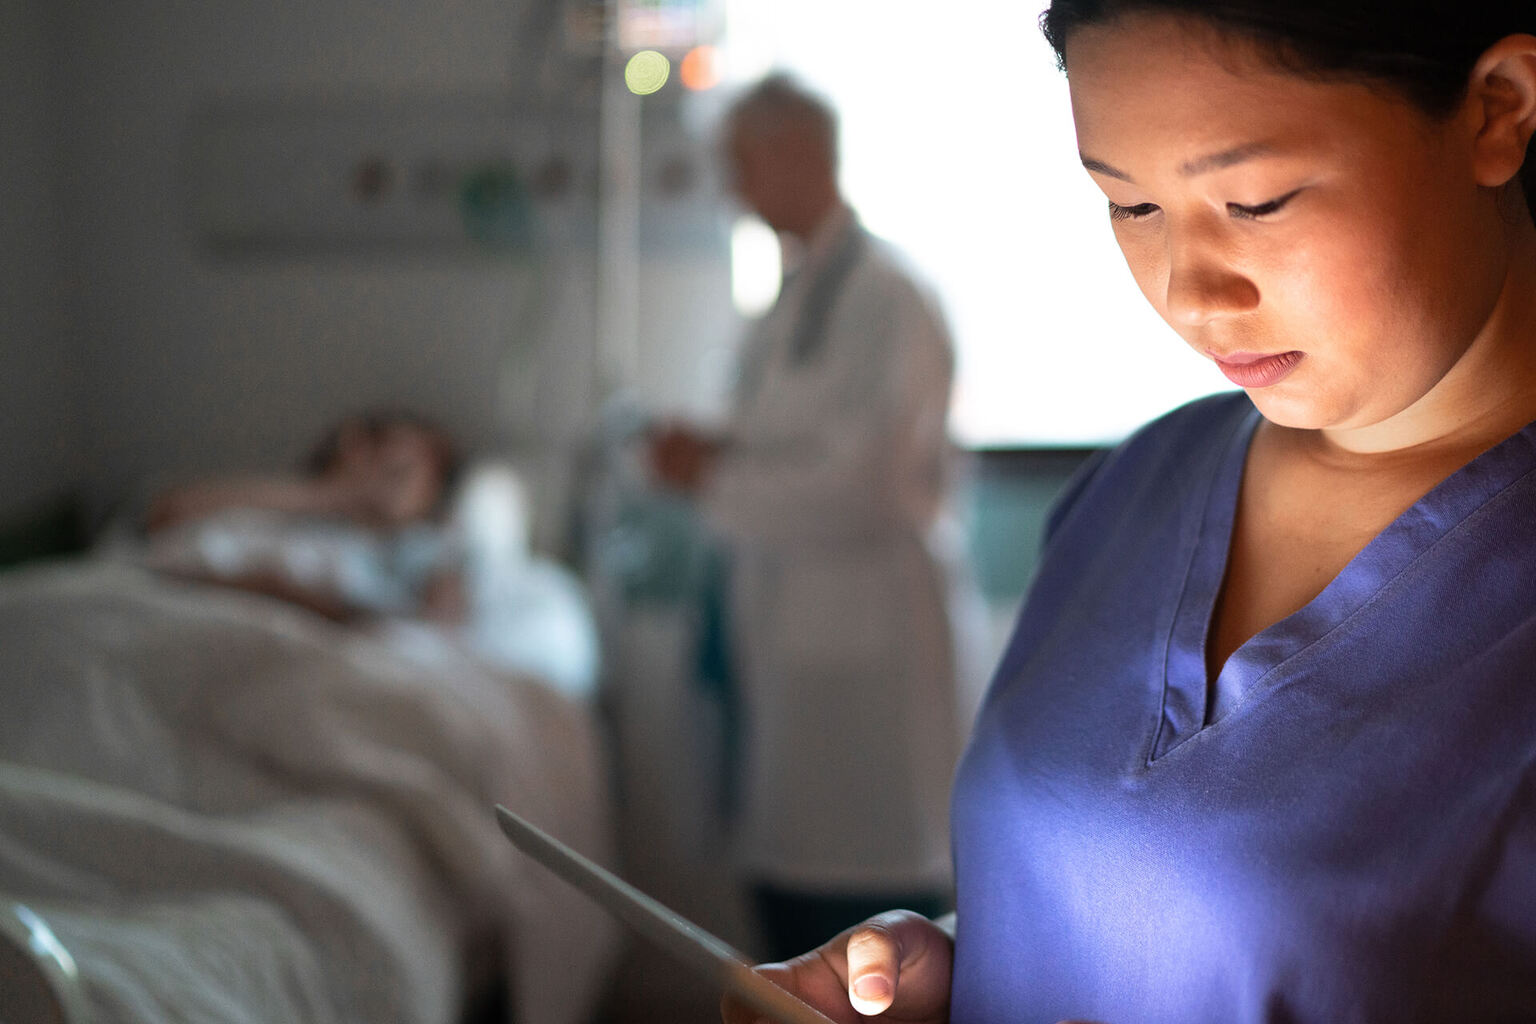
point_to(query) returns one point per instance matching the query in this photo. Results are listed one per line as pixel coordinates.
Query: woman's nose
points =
(1204, 284)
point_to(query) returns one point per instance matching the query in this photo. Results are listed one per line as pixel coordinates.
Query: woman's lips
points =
(1256, 370)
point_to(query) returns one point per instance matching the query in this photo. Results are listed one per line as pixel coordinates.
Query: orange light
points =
(700, 68)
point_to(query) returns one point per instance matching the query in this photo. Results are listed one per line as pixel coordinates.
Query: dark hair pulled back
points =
(1425, 49)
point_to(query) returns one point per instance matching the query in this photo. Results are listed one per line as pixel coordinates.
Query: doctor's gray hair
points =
(780, 103)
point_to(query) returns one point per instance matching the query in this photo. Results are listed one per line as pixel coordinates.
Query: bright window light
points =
(755, 266)
(958, 146)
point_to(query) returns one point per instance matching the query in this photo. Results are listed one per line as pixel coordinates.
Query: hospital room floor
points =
(690, 877)
(650, 988)
(648, 985)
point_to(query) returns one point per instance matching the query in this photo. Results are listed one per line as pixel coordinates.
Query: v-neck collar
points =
(1256, 666)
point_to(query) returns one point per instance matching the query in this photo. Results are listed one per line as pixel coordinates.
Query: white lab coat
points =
(831, 495)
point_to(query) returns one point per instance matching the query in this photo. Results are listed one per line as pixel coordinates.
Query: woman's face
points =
(1325, 243)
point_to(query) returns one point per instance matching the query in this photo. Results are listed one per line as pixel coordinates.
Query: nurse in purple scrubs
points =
(1263, 745)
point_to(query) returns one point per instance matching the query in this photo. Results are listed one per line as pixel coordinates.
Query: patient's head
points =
(400, 466)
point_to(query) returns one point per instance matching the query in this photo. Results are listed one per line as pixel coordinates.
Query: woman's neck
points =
(1488, 394)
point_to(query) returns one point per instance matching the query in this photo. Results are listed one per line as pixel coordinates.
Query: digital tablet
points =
(677, 935)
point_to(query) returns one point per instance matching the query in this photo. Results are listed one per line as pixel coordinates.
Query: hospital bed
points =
(218, 806)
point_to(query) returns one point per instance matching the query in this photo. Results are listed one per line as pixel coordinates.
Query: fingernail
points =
(872, 987)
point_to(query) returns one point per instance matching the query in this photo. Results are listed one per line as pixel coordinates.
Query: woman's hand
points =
(896, 963)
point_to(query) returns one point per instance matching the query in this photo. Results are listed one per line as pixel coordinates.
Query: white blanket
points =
(232, 810)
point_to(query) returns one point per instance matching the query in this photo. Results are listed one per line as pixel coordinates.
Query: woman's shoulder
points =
(1182, 444)
(1194, 419)
(1183, 436)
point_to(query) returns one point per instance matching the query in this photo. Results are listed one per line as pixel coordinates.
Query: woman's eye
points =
(1118, 212)
(1242, 212)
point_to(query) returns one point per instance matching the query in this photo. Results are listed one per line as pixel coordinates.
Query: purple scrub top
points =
(1348, 834)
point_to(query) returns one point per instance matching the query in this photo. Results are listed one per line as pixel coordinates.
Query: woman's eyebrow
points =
(1225, 158)
(1100, 167)
(1189, 169)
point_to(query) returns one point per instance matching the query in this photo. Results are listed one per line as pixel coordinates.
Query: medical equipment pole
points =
(618, 342)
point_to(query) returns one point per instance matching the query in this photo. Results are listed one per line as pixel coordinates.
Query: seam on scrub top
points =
(1390, 585)
(1152, 756)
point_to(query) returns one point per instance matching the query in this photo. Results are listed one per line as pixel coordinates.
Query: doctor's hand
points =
(896, 964)
(681, 457)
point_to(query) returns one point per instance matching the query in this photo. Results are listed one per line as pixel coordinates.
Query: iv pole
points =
(618, 235)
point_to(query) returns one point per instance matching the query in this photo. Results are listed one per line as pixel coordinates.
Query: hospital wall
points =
(136, 355)
(41, 379)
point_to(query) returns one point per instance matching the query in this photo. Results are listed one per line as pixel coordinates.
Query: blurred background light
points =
(700, 68)
(755, 266)
(646, 72)
(958, 146)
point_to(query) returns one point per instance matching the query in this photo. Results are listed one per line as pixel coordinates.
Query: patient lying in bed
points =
(387, 528)
(361, 532)
(222, 808)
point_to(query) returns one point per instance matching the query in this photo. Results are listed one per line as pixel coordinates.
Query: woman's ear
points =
(1501, 96)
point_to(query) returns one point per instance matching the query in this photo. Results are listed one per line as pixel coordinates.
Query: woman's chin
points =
(1291, 407)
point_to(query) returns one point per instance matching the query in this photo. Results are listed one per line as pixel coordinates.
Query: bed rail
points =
(38, 977)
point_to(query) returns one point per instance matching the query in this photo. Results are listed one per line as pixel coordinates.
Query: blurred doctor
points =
(829, 487)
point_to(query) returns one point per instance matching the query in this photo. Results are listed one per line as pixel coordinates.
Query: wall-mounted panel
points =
(453, 176)
(456, 175)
